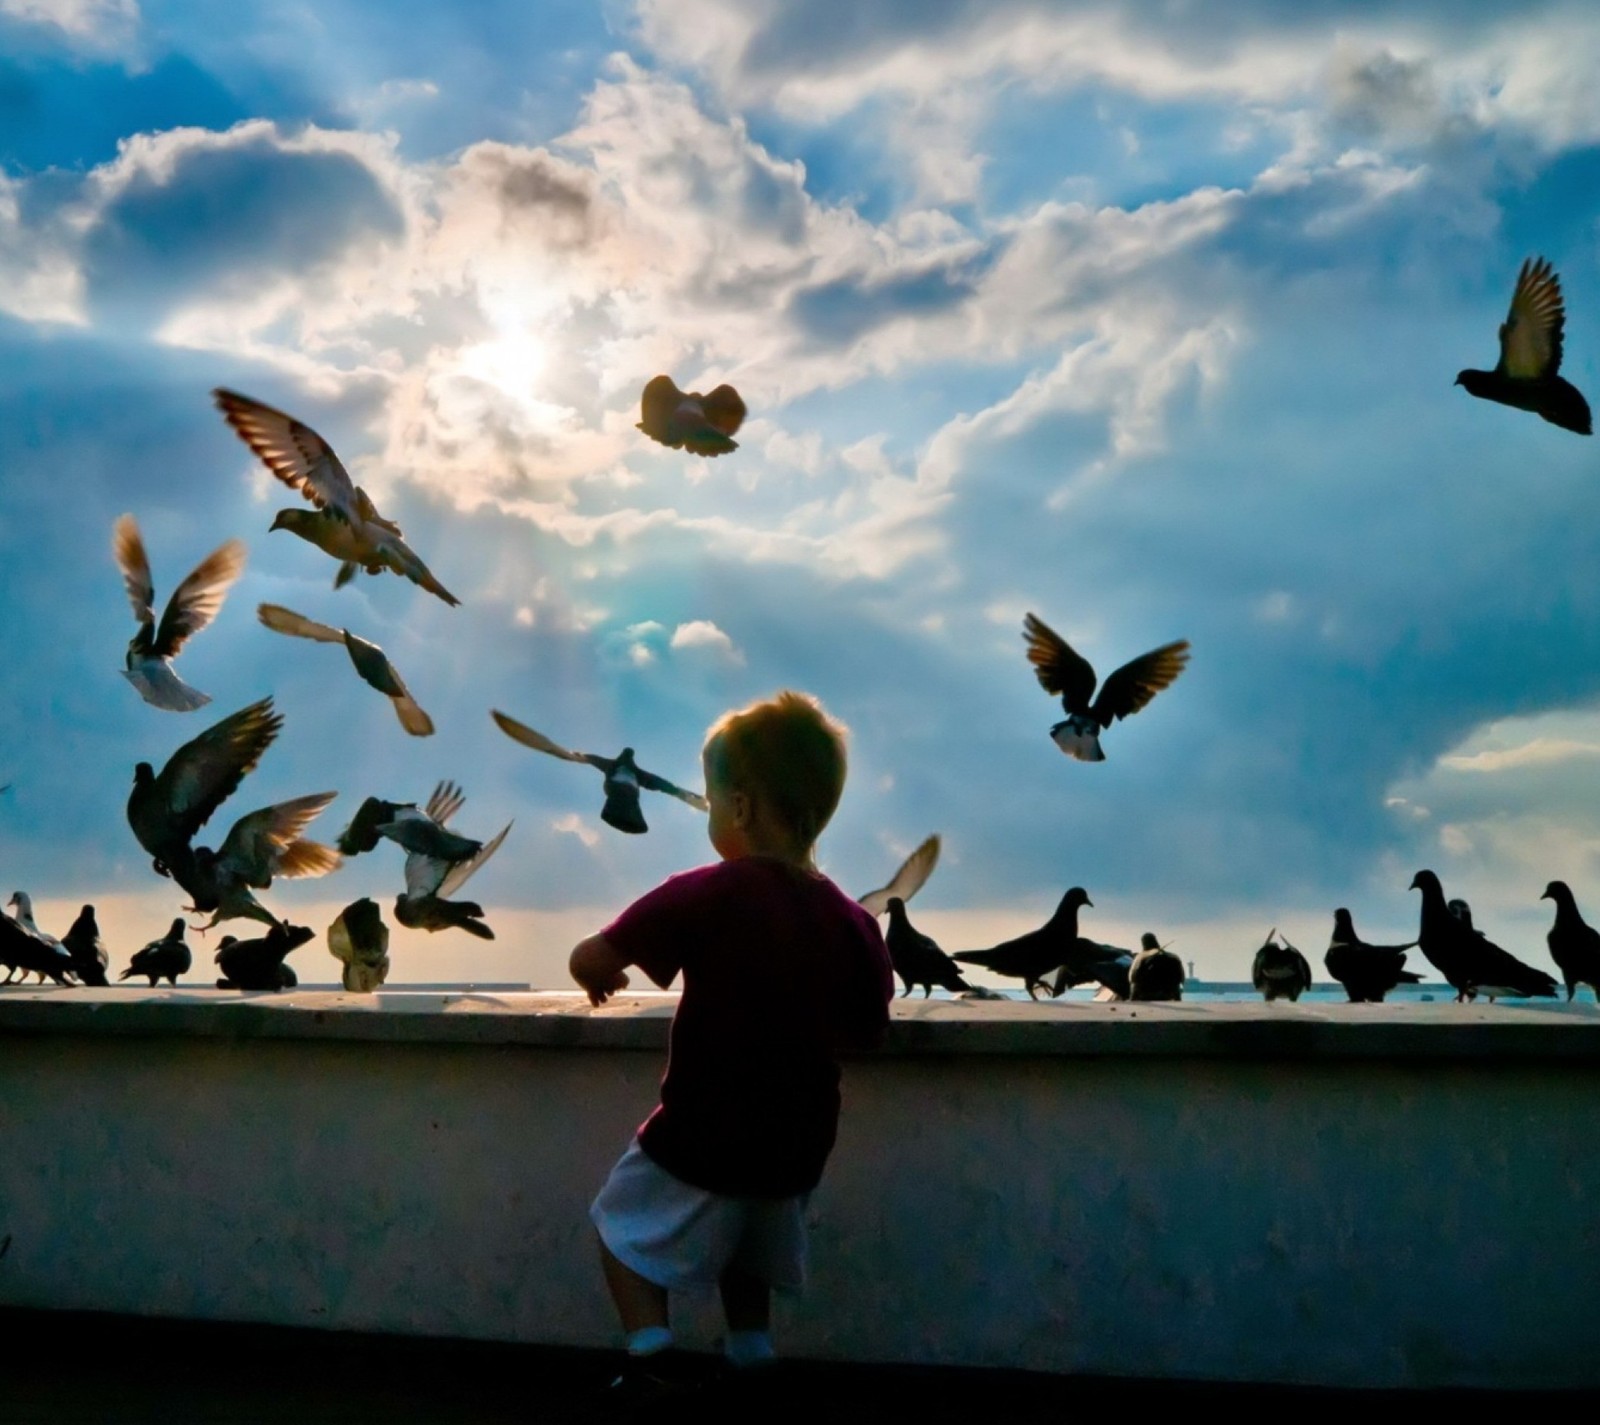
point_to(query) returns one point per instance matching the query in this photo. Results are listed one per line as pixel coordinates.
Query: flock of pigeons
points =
(167, 810)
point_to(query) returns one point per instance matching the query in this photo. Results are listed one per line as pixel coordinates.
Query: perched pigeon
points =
(163, 959)
(370, 662)
(1062, 671)
(1574, 944)
(1530, 355)
(259, 964)
(1280, 971)
(907, 881)
(32, 949)
(165, 812)
(89, 958)
(686, 420)
(1032, 956)
(1094, 962)
(624, 777)
(1367, 972)
(361, 939)
(1465, 956)
(916, 957)
(345, 524)
(194, 603)
(1156, 973)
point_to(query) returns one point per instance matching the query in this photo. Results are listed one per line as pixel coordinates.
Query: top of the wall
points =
(1530, 1030)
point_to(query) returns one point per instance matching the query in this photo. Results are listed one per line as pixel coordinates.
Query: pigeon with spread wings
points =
(1531, 340)
(907, 881)
(624, 778)
(167, 811)
(1066, 673)
(686, 420)
(370, 662)
(345, 524)
(194, 603)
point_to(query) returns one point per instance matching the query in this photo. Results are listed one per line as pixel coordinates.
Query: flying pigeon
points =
(89, 958)
(1574, 944)
(163, 959)
(916, 957)
(907, 881)
(194, 603)
(1062, 671)
(31, 948)
(345, 524)
(1280, 971)
(361, 939)
(686, 420)
(1156, 973)
(370, 662)
(624, 777)
(1032, 956)
(1465, 956)
(1367, 972)
(166, 812)
(1530, 355)
(259, 964)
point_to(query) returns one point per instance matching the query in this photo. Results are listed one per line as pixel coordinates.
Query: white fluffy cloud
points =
(703, 634)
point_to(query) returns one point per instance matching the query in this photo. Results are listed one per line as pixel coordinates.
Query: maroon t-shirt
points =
(780, 971)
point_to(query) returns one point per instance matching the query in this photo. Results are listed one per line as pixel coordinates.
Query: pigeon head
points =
(895, 906)
(1148, 941)
(176, 929)
(1426, 881)
(143, 774)
(1478, 383)
(1342, 924)
(1557, 891)
(1074, 898)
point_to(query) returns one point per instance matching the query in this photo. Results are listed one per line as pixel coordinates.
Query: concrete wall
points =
(1350, 1195)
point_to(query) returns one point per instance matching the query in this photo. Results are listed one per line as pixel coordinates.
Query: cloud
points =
(94, 22)
(571, 824)
(702, 633)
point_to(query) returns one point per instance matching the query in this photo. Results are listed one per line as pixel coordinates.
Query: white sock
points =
(647, 1340)
(749, 1348)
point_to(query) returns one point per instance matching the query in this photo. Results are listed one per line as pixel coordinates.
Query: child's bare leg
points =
(746, 1301)
(639, 1303)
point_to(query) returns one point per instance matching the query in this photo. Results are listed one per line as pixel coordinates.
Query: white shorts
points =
(679, 1236)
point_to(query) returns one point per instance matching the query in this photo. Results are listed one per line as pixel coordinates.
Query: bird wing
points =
(282, 620)
(127, 547)
(725, 410)
(255, 846)
(293, 452)
(657, 403)
(462, 871)
(907, 881)
(369, 513)
(446, 801)
(1134, 684)
(1058, 667)
(521, 732)
(195, 602)
(652, 783)
(207, 770)
(1531, 337)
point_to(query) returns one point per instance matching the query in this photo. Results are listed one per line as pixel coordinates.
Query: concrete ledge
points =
(560, 1020)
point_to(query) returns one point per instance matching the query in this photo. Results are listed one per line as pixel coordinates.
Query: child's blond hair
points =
(786, 753)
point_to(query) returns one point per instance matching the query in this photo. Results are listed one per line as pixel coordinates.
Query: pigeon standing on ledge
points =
(360, 939)
(1063, 671)
(89, 958)
(163, 959)
(30, 948)
(916, 957)
(1574, 943)
(1367, 972)
(1466, 957)
(686, 420)
(1156, 973)
(1032, 956)
(1280, 971)
(259, 964)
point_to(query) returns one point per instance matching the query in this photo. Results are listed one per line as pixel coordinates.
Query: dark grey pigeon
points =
(1367, 972)
(916, 957)
(1094, 962)
(1156, 973)
(1465, 956)
(1032, 956)
(624, 778)
(1574, 943)
(33, 950)
(370, 661)
(89, 958)
(1531, 339)
(259, 964)
(1063, 671)
(163, 959)
(1280, 971)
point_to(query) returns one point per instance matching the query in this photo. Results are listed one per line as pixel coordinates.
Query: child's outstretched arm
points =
(599, 970)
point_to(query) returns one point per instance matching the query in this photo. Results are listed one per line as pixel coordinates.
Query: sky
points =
(1143, 319)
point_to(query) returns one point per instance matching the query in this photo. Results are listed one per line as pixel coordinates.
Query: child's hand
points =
(598, 969)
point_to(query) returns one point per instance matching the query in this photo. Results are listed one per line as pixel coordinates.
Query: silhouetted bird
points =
(345, 523)
(1574, 944)
(370, 662)
(1062, 671)
(163, 959)
(259, 964)
(1367, 972)
(1156, 973)
(1530, 355)
(1280, 971)
(1094, 962)
(916, 957)
(1032, 956)
(33, 950)
(165, 812)
(194, 603)
(360, 939)
(1466, 957)
(624, 778)
(905, 882)
(686, 420)
(89, 958)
